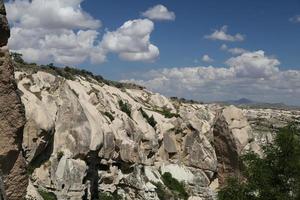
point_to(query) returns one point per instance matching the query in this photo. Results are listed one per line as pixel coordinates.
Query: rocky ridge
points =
(14, 180)
(84, 138)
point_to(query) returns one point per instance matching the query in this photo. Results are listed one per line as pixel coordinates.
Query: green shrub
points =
(108, 196)
(150, 120)
(162, 192)
(174, 185)
(47, 195)
(110, 116)
(273, 176)
(167, 113)
(125, 107)
(59, 155)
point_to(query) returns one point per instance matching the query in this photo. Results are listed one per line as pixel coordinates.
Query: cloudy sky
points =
(205, 50)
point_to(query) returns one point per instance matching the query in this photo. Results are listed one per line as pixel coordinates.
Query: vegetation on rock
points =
(109, 115)
(150, 120)
(273, 176)
(125, 107)
(59, 155)
(167, 112)
(47, 195)
(175, 186)
(108, 196)
(67, 72)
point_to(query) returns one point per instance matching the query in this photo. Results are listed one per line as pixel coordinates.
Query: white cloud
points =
(159, 12)
(206, 58)
(54, 14)
(61, 31)
(132, 41)
(254, 65)
(234, 51)
(295, 19)
(252, 75)
(223, 35)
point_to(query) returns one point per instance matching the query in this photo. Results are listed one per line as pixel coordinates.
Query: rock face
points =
(83, 138)
(4, 32)
(232, 133)
(12, 120)
(80, 142)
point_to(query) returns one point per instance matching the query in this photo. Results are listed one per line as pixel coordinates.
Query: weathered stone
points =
(169, 144)
(12, 120)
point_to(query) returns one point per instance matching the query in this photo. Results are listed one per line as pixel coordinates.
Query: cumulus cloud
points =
(206, 58)
(159, 12)
(295, 19)
(132, 41)
(252, 75)
(224, 36)
(234, 51)
(61, 31)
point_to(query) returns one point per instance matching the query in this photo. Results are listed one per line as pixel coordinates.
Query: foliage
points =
(275, 176)
(174, 185)
(125, 107)
(161, 192)
(110, 116)
(17, 57)
(47, 195)
(167, 113)
(150, 120)
(67, 72)
(108, 196)
(59, 155)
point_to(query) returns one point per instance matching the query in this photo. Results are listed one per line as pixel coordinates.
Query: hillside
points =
(86, 137)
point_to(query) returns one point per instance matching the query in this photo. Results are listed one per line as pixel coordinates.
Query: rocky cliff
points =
(12, 120)
(85, 138)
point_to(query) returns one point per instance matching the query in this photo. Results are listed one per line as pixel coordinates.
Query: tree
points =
(274, 176)
(17, 57)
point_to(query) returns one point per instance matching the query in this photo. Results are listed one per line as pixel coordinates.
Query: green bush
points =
(47, 195)
(167, 113)
(110, 116)
(175, 186)
(125, 107)
(162, 192)
(274, 176)
(108, 196)
(59, 155)
(150, 120)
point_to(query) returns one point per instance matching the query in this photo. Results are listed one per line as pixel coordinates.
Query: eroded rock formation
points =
(84, 137)
(12, 120)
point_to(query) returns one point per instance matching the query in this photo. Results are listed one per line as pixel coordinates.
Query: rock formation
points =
(80, 141)
(12, 120)
(84, 137)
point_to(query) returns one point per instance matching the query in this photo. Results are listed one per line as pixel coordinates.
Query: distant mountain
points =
(240, 101)
(247, 103)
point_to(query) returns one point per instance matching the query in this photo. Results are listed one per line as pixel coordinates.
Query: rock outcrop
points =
(232, 133)
(84, 137)
(12, 120)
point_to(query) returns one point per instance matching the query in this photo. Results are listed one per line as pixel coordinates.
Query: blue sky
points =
(120, 40)
(265, 23)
